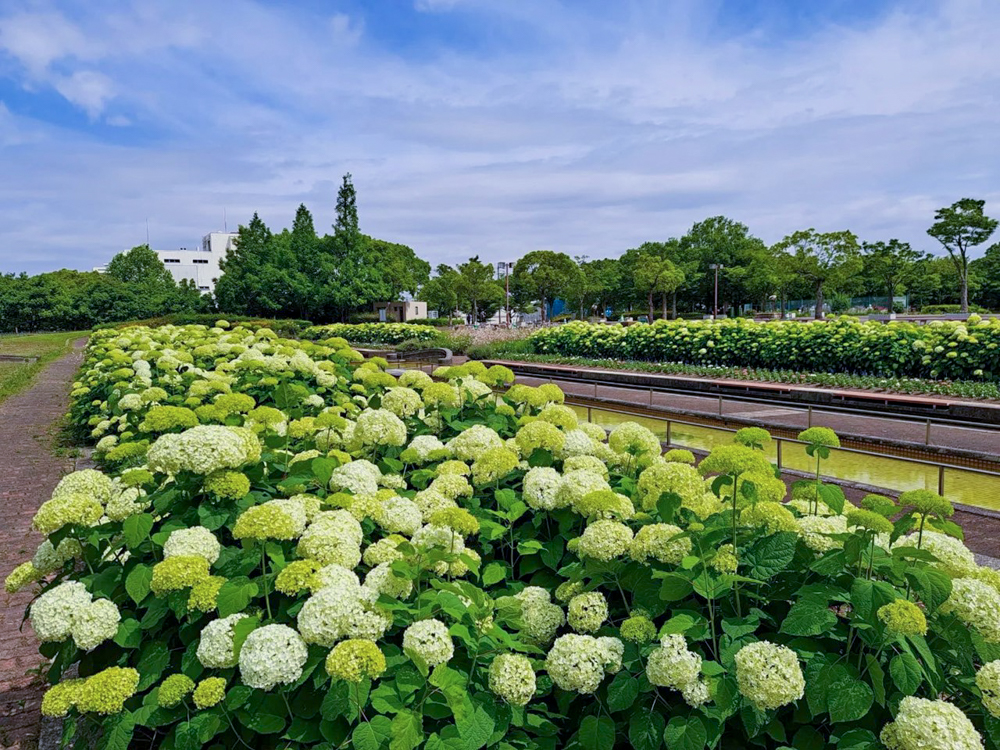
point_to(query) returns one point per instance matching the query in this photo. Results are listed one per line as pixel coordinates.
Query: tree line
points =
(295, 273)
(678, 275)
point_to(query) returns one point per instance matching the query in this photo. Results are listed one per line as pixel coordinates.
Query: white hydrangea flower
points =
(272, 655)
(125, 502)
(359, 477)
(87, 482)
(204, 449)
(816, 531)
(424, 445)
(399, 515)
(196, 540)
(578, 662)
(469, 444)
(379, 427)
(383, 580)
(977, 604)
(576, 485)
(95, 624)
(130, 402)
(335, 576)
(53, 613)
(954, 557)
(403, 402)
(930, 725)
(215, 645)
(48, 558)
(577, 443)
(333, 613)
(541, 488)
(429, 639)
(768, 675)
(672, 665)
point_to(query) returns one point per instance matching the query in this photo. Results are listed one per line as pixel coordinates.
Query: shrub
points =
(372, 333)
(307, 569)
(437, 322)
(967, 350)
(949, 309)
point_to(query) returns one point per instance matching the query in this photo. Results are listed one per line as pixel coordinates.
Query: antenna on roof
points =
(147, 231)
(225, 221)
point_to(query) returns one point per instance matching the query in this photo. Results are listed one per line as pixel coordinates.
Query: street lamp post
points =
(506, 267)
(715, 267)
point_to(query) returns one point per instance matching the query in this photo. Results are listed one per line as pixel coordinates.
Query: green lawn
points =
(15, 376)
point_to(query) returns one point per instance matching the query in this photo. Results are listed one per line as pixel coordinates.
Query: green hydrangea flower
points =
(209, 692)
(173, 690)
(903, 617)
(355, 659)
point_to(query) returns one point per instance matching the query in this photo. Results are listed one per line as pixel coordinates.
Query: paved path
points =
(28, 473)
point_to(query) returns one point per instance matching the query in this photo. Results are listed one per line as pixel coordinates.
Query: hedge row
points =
(372, 333)
(940, 350)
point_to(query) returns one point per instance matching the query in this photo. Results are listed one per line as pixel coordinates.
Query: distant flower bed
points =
(288, 547)
(372, 333)
(939, 350)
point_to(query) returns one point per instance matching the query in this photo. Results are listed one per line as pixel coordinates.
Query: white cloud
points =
(587, 133)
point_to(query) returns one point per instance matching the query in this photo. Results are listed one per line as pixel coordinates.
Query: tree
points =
(656, 275)
(721, 240)
(985, 272)
(959, 228)
(439, 292)
(891, 263)
(401, 269)
(239, 287)
(354, 277)
(476, 288)
(543, 276)
(601, 279)
(826, 260)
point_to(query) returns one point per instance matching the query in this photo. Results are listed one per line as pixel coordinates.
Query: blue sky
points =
(490, 127)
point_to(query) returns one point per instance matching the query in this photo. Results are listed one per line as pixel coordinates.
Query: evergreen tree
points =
(239, 287)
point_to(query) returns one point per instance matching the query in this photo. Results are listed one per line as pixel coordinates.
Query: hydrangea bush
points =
(373, 333)
(279, 551)
(939, 350)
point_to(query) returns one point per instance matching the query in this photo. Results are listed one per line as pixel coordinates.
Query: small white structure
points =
(401, 311)
(200, 265)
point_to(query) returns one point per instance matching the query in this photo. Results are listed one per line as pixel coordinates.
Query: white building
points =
(201, 265)
(401, 311)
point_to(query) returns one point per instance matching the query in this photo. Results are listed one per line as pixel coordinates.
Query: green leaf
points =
(675, 587)
(858, 739)
(877, 676)
(622, 691)
(117, 733)
(494, 573)
(808, 617)
(685, 734)
(770, 555)
(212, 518)
(129, 634)
(849, 700)
(668, 505)
(235, 595)
(372, 735)
(932, 586)
(153, 659)
(833, 496)
(407, 731)
(241, 630)
(906, 673)
(808, 738)
(136, 528)
(645, 730)
(596, 733)
(137, 582)
(476, 726)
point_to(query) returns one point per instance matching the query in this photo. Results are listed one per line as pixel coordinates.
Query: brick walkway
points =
(28, 473)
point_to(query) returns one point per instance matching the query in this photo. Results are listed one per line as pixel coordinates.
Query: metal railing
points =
(869, 413)
(780, 442)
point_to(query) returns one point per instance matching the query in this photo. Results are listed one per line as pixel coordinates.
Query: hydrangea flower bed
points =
(938, 350)
(373, 333)
(287, 547)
